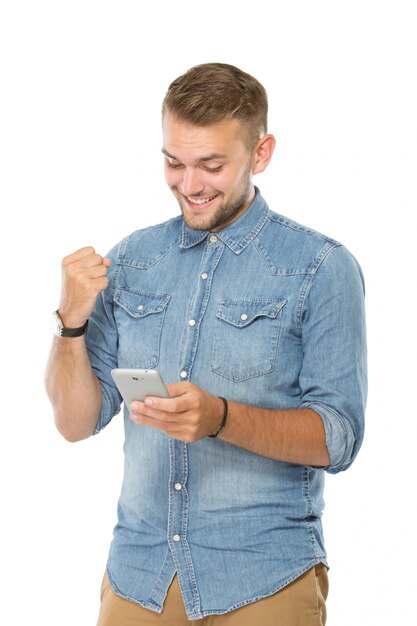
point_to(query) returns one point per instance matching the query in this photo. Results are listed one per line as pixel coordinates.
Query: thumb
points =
(178, 389)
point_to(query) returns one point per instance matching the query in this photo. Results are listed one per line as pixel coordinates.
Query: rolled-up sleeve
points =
(102, 348)
(333, 378)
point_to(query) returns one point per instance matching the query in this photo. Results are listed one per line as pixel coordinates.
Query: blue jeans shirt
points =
(279, 323)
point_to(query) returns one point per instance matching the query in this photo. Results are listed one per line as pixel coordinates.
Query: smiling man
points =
(257, 325)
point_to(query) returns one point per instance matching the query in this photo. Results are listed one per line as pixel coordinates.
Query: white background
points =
(81, 88)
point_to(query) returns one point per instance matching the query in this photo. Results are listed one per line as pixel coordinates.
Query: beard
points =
(227, 210)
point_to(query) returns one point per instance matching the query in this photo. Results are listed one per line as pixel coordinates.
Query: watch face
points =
(57, 324)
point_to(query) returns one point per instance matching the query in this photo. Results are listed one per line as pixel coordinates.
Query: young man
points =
(257, 324)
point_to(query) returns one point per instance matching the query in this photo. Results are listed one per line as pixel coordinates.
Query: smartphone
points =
(135, 384)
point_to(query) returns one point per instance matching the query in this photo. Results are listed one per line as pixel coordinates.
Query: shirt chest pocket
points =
(140, 318)
(246, 337)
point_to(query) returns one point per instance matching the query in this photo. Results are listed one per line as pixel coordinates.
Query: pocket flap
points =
(141, 303)
(240, 313)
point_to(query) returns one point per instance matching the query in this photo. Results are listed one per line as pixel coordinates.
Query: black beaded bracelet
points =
(220, 429)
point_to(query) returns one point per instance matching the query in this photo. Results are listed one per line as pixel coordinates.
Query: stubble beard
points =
(224, 212)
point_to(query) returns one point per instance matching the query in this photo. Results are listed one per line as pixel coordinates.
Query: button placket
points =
(178, 499)
(199, 299)
(211, 252)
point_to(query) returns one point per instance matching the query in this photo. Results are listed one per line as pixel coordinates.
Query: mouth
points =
(199, 203)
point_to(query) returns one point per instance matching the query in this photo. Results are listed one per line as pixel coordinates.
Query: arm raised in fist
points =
(84, 277)
(72, 387)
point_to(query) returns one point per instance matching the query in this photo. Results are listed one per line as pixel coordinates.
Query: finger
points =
(140, 417)
(84, 268)
(180, 388)
(84, 262)
(101, 284)
(171, 427)
(96, 271)
(147, 420)
(79, 254)
(180, 404)
(90, 260)
(141, 408)
(174, 430)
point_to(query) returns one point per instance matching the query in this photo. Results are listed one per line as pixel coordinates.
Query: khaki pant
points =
(301, 603)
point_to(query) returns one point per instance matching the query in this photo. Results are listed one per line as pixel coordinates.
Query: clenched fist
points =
(84, 277)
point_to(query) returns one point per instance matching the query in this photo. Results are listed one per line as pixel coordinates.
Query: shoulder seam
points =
(291, 224)
(306, 286)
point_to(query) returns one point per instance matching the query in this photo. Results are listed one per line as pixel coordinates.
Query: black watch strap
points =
(74, 332)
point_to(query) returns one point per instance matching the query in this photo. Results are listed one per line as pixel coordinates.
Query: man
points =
(257, 324)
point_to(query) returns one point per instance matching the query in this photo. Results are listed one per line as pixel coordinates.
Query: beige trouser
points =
(301, 603)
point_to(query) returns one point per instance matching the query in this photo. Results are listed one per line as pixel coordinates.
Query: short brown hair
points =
(213, 92)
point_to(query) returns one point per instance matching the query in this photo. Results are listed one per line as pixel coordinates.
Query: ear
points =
(263, 153)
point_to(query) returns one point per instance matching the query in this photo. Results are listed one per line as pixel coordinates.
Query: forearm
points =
(191, 413)
(73, 389)
(289, 435)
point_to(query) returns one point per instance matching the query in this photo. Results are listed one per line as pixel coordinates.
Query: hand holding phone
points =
(137, 384)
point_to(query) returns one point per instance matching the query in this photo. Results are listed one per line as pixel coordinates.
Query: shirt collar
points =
(239, 233)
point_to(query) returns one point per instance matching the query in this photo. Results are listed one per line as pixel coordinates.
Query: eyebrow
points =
(210, 157)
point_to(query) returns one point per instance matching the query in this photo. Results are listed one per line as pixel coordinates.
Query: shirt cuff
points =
(340, 438)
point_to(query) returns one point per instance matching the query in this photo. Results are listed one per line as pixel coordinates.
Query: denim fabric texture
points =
(279, 323)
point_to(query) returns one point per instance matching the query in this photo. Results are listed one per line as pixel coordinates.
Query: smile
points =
(199, 201)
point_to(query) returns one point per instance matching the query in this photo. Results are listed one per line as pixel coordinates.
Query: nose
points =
(192, 183)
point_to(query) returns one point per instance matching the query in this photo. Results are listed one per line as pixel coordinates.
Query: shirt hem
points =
(146, 605)
(201, 614)
(259, 597)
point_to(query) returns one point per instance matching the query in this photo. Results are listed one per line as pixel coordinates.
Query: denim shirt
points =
(264, 312)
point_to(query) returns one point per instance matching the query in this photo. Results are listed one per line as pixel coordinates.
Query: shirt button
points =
(243, 317)
(176, 538)
(140, 307)
(213, 238)
(183, 374)
(177, 486)
(204, 276)
(191, 322)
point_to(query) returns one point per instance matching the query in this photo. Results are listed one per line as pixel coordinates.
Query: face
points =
(209, 170)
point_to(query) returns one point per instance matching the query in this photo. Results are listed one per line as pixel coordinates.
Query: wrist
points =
(63, 329)
(70, 320)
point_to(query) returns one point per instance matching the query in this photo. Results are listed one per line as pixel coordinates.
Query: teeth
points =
(200, 200)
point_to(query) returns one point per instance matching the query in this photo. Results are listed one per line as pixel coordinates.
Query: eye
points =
(174, 166)
(213, 169)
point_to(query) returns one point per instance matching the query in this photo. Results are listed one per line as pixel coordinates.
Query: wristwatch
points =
(61, 331)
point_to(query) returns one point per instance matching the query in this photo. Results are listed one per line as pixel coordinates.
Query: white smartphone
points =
(136, 384)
